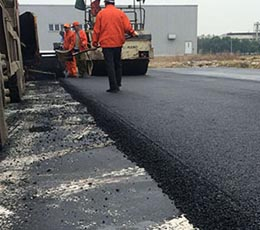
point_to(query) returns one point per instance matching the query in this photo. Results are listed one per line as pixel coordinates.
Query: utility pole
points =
(257, 27)
(231, 45)
(85, 16)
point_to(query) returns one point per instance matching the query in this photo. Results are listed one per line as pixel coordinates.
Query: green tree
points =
(216, 44)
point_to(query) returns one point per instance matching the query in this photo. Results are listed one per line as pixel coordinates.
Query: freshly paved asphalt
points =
(204, 123)
(61, 172)
(95, 189)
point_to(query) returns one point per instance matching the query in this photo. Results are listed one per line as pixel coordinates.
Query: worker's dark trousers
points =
(113, 66)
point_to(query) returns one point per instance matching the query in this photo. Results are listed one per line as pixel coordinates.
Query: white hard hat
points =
(110, 1)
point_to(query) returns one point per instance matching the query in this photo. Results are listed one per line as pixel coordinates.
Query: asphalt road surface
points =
(59, 171)
(196, 131)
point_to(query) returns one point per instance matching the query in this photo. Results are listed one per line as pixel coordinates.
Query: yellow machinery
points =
(136, 51)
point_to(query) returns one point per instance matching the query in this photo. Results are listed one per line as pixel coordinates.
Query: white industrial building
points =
(173, 27)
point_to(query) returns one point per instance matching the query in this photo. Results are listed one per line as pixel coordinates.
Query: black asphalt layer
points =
(197, 135)
(61, 172)
(96, 189)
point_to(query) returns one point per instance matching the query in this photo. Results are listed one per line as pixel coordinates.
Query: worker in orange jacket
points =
(80, 44)
(109, 31)
(68, 44)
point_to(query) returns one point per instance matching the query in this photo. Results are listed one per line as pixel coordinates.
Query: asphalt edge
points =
(212, 210)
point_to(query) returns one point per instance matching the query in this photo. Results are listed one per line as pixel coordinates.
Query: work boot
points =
(72, 76)
(85, 75)
(113, 90)
(66, 74)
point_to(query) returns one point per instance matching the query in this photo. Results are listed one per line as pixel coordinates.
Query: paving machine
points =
(136, 51)
(12, 74)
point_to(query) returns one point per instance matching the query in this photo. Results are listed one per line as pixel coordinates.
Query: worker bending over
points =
(68, 44)
(80, 44)
(109, 31)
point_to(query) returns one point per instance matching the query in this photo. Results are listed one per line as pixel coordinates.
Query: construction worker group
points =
(111, 25)
(74, 41)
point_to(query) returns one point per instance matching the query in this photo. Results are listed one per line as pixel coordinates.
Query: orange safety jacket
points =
(83, 40)
(68, 43)
(110, 27)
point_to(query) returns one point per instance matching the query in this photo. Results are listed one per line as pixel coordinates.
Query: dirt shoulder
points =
(222, 60)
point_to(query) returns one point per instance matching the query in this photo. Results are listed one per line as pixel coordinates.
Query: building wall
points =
(161, 21)
(174, 20)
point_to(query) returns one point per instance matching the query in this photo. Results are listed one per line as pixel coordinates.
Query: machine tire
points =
(15, 93)
(130, 67)
(3, 127)
(135, 67)
(99, 68)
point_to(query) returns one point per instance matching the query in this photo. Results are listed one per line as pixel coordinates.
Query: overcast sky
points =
(214, 16)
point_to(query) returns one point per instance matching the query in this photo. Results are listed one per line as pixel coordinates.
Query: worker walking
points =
(109, 31)
(68, 44)
(80, 44)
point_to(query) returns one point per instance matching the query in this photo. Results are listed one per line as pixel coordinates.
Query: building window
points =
(51, 27)
(57, 27)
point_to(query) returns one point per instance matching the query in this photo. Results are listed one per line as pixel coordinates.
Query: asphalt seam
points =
(211, 77)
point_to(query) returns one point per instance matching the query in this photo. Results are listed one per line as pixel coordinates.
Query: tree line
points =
(216, 44)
